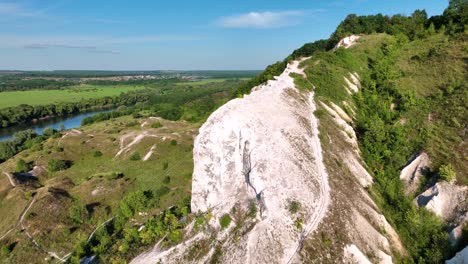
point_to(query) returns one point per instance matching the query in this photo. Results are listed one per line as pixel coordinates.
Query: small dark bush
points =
(156, 125)
(294, 206)
(58, 165)
(167, 180)
(135, 156)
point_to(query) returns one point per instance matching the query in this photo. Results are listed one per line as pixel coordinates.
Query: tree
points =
(456, 16)
(21, 166)
(6, 151)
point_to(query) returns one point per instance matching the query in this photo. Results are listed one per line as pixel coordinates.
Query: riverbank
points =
(55, 122)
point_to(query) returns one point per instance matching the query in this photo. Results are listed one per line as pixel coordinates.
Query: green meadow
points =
(73, 94)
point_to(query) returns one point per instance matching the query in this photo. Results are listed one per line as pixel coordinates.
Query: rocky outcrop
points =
(449, 202)
(446, 200)
(411, 174)
(460, 258)
(347, 42)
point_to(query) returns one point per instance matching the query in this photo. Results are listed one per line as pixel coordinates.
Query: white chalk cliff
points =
(265, 149)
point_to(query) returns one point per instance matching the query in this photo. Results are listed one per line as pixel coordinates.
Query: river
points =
(69, 122)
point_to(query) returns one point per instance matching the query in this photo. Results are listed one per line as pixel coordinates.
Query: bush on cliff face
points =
(446, 173)
(225, 221)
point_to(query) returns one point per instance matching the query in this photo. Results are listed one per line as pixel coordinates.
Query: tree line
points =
(14, 84)
(176, 103)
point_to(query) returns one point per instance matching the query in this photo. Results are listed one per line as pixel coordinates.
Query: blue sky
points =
(182, 35)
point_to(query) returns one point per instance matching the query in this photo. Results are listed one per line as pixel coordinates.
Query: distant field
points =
(73, 94)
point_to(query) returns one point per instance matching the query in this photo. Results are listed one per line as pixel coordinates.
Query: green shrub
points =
(319, 113)
(136, 115)
(59, 149)
(113, 175)
(135, 156)
(173, 142)
(78, 213)
(6, 250)
(252, 208)
(167, 180)
(294, 206)
(165, 165)
(131, 124)
(97, 154)
(161, 192)
(48, 132)
(156, 125)
(225, 221)
(58, 165)
(28, 195)
(446, 173)
(134, 202)
(298, 223)
(22, 166)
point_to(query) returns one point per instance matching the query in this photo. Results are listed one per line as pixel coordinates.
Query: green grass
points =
(206, 81)
(424, 80)
(100, 181)
(72, 94)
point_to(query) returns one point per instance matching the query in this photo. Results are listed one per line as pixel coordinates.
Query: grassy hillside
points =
(413, 98)
(120, 171)
(67, 205)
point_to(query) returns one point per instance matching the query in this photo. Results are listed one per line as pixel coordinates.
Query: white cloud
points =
(16, 10)
(64, 46)
(92, 49)
(92, 44)
(83, 41)
(115, 52)
(261, 19)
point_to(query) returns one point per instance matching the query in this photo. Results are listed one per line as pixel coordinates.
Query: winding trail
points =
(9, 176)
(324, 197)
(41, 248)
(50, 253)
(99, 226)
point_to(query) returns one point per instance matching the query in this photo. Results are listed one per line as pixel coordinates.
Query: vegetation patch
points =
(225, 221)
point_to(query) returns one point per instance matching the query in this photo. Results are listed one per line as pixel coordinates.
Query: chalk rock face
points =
(460, 258)
(263, 148)
(347, 42)
(411, 174)
(446, 200)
